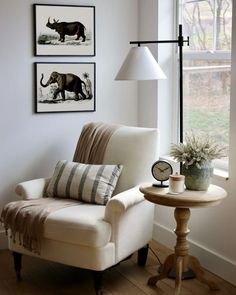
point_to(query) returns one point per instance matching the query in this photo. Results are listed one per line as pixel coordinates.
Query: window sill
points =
(219, 174)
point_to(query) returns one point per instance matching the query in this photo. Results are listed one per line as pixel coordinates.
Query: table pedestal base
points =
(186, 275)
(172, 263)
(180, 261)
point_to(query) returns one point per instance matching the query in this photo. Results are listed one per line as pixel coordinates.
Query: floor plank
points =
(40, 277)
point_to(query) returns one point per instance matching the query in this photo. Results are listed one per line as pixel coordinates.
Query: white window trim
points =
(209, 55)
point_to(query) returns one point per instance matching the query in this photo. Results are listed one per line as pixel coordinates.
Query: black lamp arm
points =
(159, 41)
(180, 41)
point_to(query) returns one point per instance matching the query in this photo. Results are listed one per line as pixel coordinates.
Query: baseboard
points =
(3, 240)
(212, 261)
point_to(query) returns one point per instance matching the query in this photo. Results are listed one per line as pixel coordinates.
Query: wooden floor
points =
(43, 277)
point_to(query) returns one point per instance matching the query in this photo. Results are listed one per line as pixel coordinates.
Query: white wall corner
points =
(210, 260)
(167, 115)
(3, 240)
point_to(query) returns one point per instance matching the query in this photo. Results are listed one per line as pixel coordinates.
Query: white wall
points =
(32, 143)
(212, 230)
(147, 90)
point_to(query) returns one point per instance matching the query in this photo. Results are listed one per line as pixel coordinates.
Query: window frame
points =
(212, 55)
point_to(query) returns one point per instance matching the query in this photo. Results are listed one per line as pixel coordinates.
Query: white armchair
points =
(97, 237)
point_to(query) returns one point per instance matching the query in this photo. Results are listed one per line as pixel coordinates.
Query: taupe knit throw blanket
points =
(93, 142)
(26, 218)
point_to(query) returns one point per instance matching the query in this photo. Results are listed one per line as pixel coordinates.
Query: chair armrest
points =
(122, 201)
(131, 218)
(32, 189)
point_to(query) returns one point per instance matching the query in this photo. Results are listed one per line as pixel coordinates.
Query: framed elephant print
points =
(65, 87)
(62, 30)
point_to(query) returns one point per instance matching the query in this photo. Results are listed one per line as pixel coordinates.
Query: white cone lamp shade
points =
(140, 65)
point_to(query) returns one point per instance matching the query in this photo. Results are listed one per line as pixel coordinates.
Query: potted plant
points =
(196, 155)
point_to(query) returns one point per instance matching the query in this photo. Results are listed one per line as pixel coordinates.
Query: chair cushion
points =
(82, 224)
(88, 183)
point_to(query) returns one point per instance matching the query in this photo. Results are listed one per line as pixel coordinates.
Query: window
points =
(207, 67)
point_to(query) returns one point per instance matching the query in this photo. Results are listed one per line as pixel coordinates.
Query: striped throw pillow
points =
(88, 183)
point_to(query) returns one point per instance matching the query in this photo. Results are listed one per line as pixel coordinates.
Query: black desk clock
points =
(161, 170)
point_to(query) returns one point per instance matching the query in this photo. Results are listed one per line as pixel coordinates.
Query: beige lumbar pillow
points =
(84, 182)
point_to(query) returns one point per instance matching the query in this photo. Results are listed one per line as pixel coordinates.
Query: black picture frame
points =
(65, 87)
(64, 30)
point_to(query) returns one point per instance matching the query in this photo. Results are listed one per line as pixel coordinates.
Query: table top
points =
(188, 199)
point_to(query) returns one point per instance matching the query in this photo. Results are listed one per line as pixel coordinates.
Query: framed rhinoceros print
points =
(65, 87)
(64, 30)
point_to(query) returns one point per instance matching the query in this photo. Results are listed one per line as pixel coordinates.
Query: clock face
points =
(161, 170)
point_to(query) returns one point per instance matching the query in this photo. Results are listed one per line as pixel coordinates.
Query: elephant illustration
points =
(66, 82)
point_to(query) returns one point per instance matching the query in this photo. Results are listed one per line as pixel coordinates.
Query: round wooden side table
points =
(180, 260)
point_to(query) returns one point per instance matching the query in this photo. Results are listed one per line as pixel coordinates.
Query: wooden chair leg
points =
(97, 278)
(142, 255)
(17, 264)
